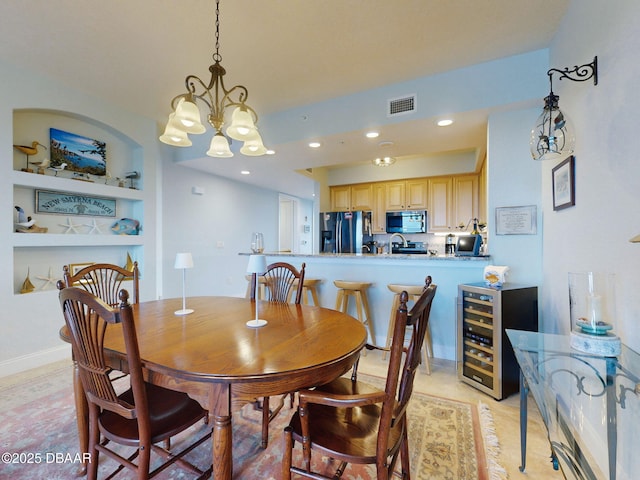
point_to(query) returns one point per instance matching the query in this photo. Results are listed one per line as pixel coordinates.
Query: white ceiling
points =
(288, 53)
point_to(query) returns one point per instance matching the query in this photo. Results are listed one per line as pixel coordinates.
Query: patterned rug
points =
(449, 440)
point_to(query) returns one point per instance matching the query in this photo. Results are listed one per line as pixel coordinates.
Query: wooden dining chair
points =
(353, 422)
(282, 282)
(140, 417)
(104, 280)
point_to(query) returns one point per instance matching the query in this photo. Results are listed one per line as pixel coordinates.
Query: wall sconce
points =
(552, 136)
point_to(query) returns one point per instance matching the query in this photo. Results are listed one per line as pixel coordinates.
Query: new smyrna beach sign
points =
(74, 204)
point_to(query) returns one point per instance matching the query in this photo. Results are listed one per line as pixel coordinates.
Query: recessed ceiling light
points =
(314, 144)
(245, 172)
(445, 122)
(372, 134)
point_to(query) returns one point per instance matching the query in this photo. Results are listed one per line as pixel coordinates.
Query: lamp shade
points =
(173, 135)
(188, 115)
(257, 264)
(219, 147)
(183, 260)
(253, 147)
(242, 126)
(552, 137)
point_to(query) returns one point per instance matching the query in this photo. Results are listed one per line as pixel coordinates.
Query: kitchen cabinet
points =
(378, 213)
(485, 358)
(406, 195)
(345, 198)
(465, 199)
(440, 204)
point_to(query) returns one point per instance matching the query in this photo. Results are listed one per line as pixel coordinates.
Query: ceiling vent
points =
(401, 105)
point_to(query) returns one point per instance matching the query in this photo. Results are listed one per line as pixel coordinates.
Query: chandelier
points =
(186, 118)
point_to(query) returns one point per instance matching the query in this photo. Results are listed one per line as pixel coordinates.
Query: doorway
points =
(287, 225)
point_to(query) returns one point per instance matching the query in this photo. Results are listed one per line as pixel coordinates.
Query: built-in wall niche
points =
(123, 155)
(59, 223)
(44, 266)
(86, 236)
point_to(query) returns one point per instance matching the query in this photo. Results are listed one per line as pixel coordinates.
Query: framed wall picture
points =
(564, 184)
(77, 153)
(74, 268)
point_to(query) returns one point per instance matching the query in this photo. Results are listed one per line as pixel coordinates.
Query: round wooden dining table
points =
(212, 355)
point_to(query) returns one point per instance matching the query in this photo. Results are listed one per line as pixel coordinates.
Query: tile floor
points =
(443, 382)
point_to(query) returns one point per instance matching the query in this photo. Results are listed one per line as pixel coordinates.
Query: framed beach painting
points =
(564, 184)
(77, 153)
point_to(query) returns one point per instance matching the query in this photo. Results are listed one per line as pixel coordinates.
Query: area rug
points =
(449, 439)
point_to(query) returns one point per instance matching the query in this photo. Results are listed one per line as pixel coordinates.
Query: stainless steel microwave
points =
(409, 221)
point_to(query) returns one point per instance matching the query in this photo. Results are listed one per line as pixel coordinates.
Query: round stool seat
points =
(414, 292)
(347, 285)
(309, 287)
(358, 290)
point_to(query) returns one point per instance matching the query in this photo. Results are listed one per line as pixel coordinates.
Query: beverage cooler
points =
(485, 359)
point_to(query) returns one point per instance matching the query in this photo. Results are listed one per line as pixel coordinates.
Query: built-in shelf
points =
(74, 240)
(50, 182)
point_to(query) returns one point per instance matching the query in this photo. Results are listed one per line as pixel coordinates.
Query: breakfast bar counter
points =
(383, 269)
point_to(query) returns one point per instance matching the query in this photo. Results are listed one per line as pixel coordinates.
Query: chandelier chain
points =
(216, 56)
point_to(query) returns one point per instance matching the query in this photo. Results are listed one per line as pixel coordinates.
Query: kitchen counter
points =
(382, 269)
(380, 256)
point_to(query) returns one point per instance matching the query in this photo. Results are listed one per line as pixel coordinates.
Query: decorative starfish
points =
(94, 226)
(48, 280)
(70, 226)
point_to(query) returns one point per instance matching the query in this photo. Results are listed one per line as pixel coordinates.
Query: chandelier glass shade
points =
(218, 100)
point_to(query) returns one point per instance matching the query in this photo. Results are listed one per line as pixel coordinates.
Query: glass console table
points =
(590, 405)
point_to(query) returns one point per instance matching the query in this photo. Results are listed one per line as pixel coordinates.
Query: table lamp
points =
(257, 265)
(183, 261)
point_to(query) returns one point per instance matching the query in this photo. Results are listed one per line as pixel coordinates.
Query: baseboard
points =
(34, 360)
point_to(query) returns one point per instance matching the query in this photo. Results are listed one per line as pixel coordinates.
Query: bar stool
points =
(309, 287)
(414, 292)
(358, 290)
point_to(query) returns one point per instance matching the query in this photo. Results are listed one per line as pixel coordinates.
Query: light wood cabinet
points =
(465, 199)
(449, 200)
(378, 213)
(406, 195)
(440, 204)
(362, 197)
(345, 198)
(340, 198)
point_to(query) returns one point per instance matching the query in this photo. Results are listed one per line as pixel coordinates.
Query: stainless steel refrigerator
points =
(345, 232)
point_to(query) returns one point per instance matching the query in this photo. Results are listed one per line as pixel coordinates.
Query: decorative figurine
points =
(26, 224)
(126, 226)
(27, 286)
(28, 151)
(44, 163)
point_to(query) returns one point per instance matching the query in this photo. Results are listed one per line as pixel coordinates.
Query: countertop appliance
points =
(408, 221)
(345, 232)
(412, 247)
(468, 245)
